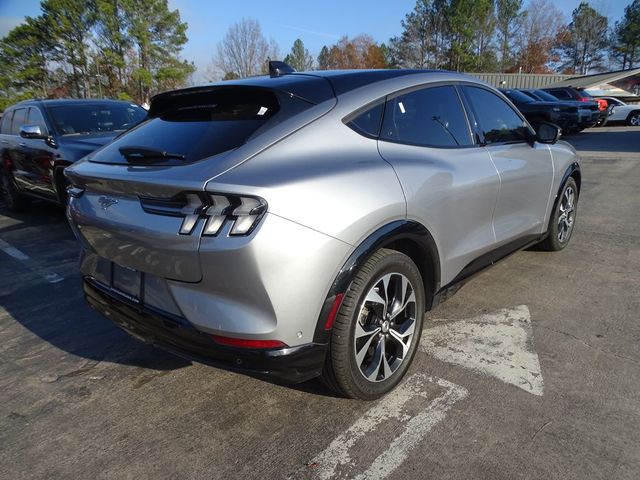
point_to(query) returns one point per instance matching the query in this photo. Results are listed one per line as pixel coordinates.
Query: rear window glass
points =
(368, 122)
(517, 97)
(6, 123)
(545, 96)
(194, 130)
(82, 119)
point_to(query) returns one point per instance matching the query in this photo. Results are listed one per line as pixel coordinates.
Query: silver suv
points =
(300, 224)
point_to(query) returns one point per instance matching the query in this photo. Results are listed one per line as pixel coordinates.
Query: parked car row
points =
(40, 138)
(572, 109)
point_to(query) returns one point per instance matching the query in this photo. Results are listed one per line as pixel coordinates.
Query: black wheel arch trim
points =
(572, 170)
(394, 235)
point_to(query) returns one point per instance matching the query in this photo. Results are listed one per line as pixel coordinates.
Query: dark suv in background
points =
(581, 95)
(39, 138)
(538, 111)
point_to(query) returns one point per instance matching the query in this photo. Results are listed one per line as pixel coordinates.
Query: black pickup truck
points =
(536, 112)
(39, 138)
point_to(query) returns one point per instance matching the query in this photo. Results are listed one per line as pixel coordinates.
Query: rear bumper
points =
(176, 335)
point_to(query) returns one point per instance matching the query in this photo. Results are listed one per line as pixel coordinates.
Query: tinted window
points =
(497, 121)
(6, 122)
(368, 122)
(517, 97)
(545, 96)
(429, 117)
(216, 123)
(36, 118)
(95, 117)
(19, 119)
(561, 94)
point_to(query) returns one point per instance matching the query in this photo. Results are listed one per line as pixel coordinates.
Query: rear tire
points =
(563, 219)
(13, 200)
(377, 329)
(633, 120)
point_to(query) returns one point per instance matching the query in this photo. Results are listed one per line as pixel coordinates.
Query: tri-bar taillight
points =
(244, 211)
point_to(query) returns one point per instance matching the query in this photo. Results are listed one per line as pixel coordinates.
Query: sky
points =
(317, 23)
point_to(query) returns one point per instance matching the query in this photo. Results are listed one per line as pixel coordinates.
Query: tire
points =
(563, 219)
(633, 120)
(362, 335)
(13, 200)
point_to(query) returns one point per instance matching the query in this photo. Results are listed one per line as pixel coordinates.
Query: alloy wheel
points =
(385, 327)
(635, 120)
(567, 214)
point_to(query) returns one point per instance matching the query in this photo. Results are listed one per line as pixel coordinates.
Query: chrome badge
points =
(106, 202)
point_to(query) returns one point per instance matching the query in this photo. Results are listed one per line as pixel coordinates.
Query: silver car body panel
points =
(327, 189)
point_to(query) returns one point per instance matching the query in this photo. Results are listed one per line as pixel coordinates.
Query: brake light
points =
(243, 212)
(244, 343)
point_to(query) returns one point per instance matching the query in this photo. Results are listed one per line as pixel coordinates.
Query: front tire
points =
(376, 332)
(13, 200)
(563, 218)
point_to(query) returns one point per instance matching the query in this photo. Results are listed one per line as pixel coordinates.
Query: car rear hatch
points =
(139, 202)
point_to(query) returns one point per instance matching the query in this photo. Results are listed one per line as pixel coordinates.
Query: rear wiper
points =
(143, 153)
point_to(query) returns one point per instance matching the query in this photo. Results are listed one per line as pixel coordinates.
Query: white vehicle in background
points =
(622, 112)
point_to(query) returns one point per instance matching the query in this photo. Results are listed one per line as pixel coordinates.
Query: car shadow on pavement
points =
(58, 314)
(607, 139)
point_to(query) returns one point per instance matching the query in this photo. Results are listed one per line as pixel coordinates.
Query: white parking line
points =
(499, 344)
(48, 275)
(13, 251)
(337, 460)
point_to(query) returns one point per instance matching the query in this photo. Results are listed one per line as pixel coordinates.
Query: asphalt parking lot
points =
(532, 370)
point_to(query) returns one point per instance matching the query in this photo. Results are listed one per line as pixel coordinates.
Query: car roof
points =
(314, 86)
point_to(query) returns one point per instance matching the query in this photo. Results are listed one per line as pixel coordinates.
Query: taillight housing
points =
(243, 212)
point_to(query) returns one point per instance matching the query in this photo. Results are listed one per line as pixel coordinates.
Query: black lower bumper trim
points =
(290, 364)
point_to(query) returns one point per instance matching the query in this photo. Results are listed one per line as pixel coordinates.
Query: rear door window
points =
(6, 123)
(19, 119)
(431, 117)
(497, 121)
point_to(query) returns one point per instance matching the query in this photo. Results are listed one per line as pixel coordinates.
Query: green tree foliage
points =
(70, 22)
(508, 16)
(23, 56)
(127, 49)
(299, 58)
(323, 58)
(584, 41)
(626, 37)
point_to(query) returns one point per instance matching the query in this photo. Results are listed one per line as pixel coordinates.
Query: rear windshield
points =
(545, 96)
(89, 118)
(516, 96)
(198, 126)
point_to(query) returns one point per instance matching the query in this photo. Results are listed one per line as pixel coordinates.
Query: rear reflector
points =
(334, 311)
(244, 343)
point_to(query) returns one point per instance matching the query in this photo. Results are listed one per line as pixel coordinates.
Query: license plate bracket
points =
(127, 281)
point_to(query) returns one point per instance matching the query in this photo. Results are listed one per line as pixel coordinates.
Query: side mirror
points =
(32, 131)
(547, 133)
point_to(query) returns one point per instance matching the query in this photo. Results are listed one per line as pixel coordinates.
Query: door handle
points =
(22, 144)
(4, 142)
